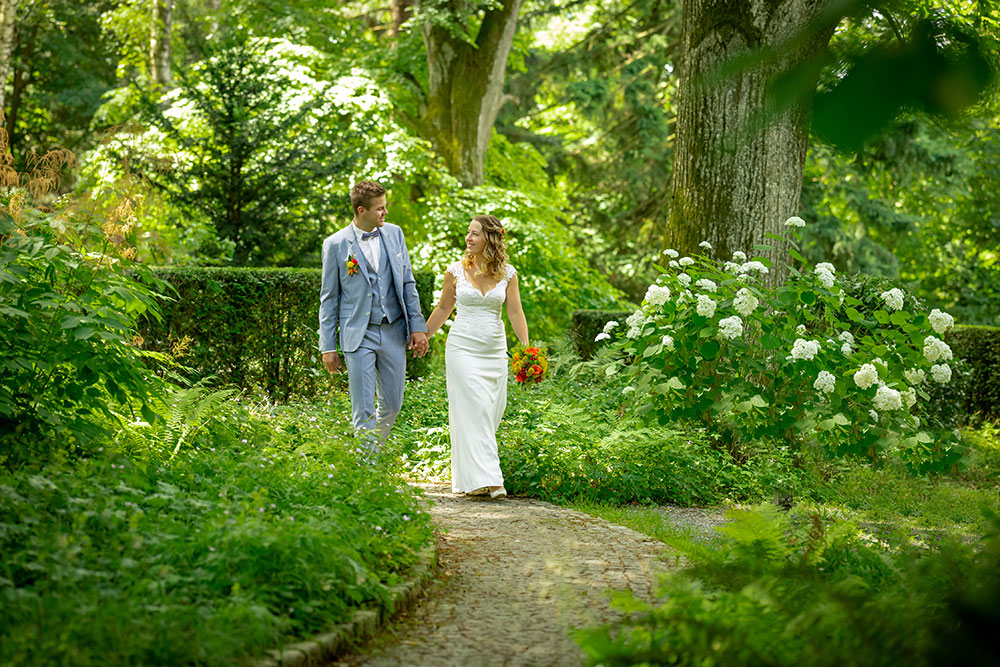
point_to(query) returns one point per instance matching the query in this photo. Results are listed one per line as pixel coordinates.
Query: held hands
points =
(419, 343)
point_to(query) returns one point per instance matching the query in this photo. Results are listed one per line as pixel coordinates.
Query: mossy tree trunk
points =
(8, 12)
(739, 154)
(465, 86)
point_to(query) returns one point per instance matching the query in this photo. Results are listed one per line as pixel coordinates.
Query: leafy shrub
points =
(784, 589)
(569, 438)
(252, 327)
(804, 361)
(263, 527)
(69, 302)
(587, 324)
(980, 347)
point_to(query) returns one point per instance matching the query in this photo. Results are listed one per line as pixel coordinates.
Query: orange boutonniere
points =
(352, 265)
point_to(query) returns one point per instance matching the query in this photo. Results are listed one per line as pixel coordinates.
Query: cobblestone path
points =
(517, 576)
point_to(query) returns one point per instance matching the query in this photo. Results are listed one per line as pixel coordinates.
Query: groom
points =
(369, 294)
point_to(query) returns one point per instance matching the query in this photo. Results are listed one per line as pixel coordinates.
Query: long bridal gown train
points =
(476, 364)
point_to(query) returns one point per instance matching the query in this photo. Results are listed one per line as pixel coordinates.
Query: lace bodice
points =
(477, 313)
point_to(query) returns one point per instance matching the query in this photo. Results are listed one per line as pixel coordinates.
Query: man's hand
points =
(419, 343)
(332, 362)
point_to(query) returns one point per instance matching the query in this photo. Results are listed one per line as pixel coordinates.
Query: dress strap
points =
(455, 269)
(510, 271)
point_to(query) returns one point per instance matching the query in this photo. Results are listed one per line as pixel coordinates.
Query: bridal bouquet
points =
(529, 364)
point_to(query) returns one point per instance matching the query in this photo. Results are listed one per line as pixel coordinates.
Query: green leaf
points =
(709, 350)
(900, 318)
(675, 383)
(795, 254)
(807, 297)
(770, 342)
(83, 333)
(881, 317)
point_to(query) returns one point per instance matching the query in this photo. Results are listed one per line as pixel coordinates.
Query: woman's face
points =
(475, 242)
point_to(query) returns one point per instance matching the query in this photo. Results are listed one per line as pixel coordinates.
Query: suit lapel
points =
(355, 250)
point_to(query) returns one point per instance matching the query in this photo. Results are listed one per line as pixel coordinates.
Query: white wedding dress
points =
(476, 363)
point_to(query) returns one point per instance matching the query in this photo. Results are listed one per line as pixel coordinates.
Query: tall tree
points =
(8, 11)
(159, 41)
(748, 87)
(465, 77)
(739, 155)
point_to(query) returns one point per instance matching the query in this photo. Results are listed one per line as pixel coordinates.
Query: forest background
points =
(248, 120)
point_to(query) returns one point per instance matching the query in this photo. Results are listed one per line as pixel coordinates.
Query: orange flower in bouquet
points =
(529, 365)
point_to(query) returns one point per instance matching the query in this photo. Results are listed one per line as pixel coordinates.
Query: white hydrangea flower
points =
(909, 397)
(706, 285)
(731, 267)
(745, 302)
(827, 267)
(673, 264)
(874, 415)
(887, 399)
(636, 318)
(706, 245)
(609, 326)
(601, 336)
(804, 349)
(671, 253)
(739, 256)
(800, 330)
(825, 278)
(847, 337)
(706, 307)
(825, 382)
(940, 321)
(866, 376)
(684, 279)
(685, 261)
(893, 299)
(657, 295)
(730, 327)
(667, 342)
(795, 221)
(941, 373)
(749, 267)
(846, 349)
(935, 348)
(914, 376)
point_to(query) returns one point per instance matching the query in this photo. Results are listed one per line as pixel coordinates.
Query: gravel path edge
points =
(364, 623)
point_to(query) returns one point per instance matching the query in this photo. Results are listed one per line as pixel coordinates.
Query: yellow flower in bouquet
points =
(529, 365)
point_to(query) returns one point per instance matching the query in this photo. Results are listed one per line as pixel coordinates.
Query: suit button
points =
(368, 313)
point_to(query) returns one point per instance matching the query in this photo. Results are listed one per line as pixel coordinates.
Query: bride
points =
(476, 354)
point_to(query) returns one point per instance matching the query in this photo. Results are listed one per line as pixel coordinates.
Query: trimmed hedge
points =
(253, 327)
(980, 347)
(586, 324)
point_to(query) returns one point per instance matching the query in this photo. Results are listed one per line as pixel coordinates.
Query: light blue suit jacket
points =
(345, 300)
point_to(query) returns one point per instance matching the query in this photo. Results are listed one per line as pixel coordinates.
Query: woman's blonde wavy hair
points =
(495, 251)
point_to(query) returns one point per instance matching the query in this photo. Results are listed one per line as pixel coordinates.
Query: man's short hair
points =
(363, 193)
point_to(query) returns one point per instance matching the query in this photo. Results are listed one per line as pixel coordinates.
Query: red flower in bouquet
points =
(529, 365)
(352, 265)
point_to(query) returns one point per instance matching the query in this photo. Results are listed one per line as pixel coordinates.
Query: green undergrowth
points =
(800, 587)
(569, 439)
(264, 526)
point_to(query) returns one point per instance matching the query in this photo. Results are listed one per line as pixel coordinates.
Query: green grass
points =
(264, 527)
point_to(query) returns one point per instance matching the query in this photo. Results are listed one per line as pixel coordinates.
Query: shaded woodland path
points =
(517, 576)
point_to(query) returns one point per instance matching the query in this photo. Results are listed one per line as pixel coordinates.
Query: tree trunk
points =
(739, 155)
(159, 41)
(401, 12)
(466, 89)
(8, 10)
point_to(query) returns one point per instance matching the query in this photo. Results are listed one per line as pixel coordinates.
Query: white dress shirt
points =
(371, 247)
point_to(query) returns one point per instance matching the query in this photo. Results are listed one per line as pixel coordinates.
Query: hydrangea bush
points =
(715, 342)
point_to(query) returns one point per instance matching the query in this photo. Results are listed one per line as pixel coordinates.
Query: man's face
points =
(374, 216)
